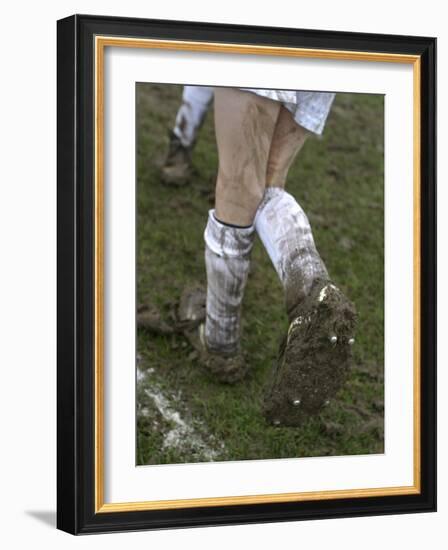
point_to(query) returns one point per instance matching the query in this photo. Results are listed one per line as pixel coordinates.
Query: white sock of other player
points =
(190, 116)
(227, 260)
(285, 231)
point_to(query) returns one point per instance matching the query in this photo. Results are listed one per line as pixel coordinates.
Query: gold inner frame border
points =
(100, 43)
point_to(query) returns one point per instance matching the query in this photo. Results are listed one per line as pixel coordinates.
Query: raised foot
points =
(226, 368)
(314, 358)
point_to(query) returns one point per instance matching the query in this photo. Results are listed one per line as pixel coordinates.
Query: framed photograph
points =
(246, 274)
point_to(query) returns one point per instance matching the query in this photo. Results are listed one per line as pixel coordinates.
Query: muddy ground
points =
(183, 415)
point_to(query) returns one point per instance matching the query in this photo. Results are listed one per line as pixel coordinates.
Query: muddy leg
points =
(282, 224)
(287, 141)
(285, 231)
(244, 125)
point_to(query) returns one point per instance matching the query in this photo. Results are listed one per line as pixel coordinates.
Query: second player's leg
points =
(281, 222)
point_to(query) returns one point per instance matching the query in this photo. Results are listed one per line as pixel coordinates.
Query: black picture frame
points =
(76, 511)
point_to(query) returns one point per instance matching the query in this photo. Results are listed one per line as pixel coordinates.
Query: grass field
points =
(183, 415)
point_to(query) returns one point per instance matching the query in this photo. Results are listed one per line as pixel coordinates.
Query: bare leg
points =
(244, 125)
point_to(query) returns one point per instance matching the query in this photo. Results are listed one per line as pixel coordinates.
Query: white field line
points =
(184, 434)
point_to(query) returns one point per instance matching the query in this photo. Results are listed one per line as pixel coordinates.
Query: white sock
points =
(195, 103)
(227, 260)
(285, 231)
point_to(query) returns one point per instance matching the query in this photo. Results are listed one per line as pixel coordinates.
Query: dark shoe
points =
(314, 358)
(227, 368)
(177, 167)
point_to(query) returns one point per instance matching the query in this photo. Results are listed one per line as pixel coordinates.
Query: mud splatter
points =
(180, 432)
(227, 266)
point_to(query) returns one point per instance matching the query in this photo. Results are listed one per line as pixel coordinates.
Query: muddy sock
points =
(285, 231)
(195, 103)
(227, 259)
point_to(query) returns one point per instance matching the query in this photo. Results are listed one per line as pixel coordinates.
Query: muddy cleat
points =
(177, 167)
(314, 358)
(227, 368)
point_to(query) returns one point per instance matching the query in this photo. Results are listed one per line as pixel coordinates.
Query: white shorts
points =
(309, 109)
